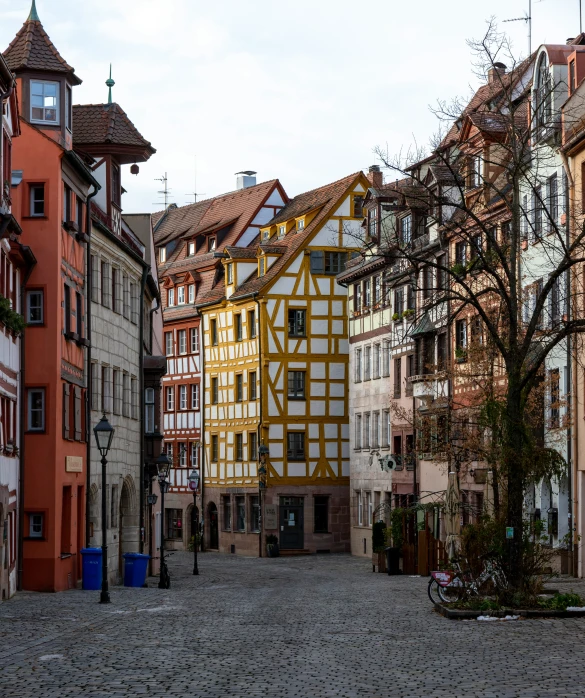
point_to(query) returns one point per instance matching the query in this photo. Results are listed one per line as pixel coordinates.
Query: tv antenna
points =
(195, 193)
(165, 191)
(528, 19)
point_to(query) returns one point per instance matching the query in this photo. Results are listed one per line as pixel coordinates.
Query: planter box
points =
(460, 614)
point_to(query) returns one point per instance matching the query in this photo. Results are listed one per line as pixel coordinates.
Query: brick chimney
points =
(498, 69)
(375, 176)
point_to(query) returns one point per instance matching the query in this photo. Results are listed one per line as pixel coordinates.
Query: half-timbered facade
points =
(276, 377)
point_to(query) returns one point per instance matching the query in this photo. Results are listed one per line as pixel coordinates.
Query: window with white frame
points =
(35, 525)
(191, 249)
(171, 297)
(360, 508)
(358, 431)
(182, 337)
(169, 343)
(369, 508)
(194, 340)
(149, 410)
(182, 454)
(182, 397)
(181, 295)
(36, 409)
(386, 355)
(195, 396)
(37, 200)
(377, 355)
(367, 363)
(170, 399)
(191, 293)
(162, 255)
(44, 102)
(194, 455)
(35, 307)
(367, 426)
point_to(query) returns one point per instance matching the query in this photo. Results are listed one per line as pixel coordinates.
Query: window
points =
(553, 201)
(406, 230)
(149, 410)
(377, 288)
(126, 395)
(174, 524)
(190, 249)
(369, 508)
(211, 244)
(255, 513)
(376, 360)
(262, 266)
(357, 297)
(239, 387)
(461, 253)
(555, 421)
(36, 409)
(37, 200)
(358, 206)
(106, 286)
(116, 185)
(194, 456)
(182, 337)
(442, 274)
(360, 508)
(442, 351)
(297, 323)
(475, 171)
(214, 332)
(386, 355)
(95, 387)
(134, 397)
(251, 324)
(106, 390)
(162, 255)
(358, 431)
(367, 424)
(252, 386)
(214, 391)
(126, 297)
(537, 208)
(301, 224)
(170, 399)
(358, 366)
(134, 304)
(253, 447)
(238, 323)
(397, 377)
(36, 524)
(375, 429)
(169, 343)
(171, 297)
(321, 514)
(227, 513)
(296, 385)
(367, 363)
(195, 396)
(117, 299)
(295, 443)
(543, 96)
(367, 293)
(239, 447)
(330, 263)
(66, 203)
(194, 340)
(572, 77)
(282, 231)
(461, 334)
(373, 223)
(214, 448)
(117, 393)
(386, 428)
(182, 448)
(181, 295)
(399, 301)
(191, 293)
(44, 102)
(67, 309)
(230, 273)
(35, 307)
(555, 303)
(182, 397)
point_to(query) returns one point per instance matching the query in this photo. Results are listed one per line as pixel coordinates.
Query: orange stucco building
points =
(50, 202)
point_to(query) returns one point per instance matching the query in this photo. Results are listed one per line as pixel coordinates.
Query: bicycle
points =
(165, 577)
(456, 584)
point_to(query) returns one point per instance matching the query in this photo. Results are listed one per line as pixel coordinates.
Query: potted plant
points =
(396, 317)
(460, 355)
(272, 545)
(409, 312)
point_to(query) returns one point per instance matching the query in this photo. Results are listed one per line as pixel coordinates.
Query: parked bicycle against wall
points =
(456, 584)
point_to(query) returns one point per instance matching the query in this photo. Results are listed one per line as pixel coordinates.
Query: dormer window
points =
(191, 249)
(475, 166)
(68, 108)
(171, 297)
(191, 293)
(282, 231)
(116, 185)
(301, 224)
(181, 295)
(44, 102)
(266, 235)
(373, 223)
(262, 266)
(230, 273)
(162, 255)
(211, 245)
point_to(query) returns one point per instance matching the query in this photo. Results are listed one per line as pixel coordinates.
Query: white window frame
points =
(29, 294)
(181, 295)
(162, 255)
(195, 396)
(33, 199)
(191, 293)
(182, 397)
(191, 249)
(194, 340)
(170, 398)
(182, 341)
(169, 344)
(32, 524)
(171, 297)
(57, 121)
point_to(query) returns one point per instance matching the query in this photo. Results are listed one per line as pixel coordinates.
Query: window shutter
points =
(66, 405)
(317, 262)
(77, 412)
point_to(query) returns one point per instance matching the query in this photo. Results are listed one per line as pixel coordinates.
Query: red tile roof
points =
(102, 124)
(32, 49)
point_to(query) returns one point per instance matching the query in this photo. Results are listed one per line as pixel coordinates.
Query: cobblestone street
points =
(312, 627)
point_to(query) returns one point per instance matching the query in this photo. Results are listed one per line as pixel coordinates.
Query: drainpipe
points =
(145, 272)
(259, 439)
(202, 431)
(88, 391)
(21, 397)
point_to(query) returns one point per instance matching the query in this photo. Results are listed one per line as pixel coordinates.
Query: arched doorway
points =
(213, 526)
(128, 524)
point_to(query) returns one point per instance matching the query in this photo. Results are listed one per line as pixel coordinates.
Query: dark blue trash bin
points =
(135, 569)
(92, 568)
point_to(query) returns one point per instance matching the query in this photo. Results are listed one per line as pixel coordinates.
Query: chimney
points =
(498, 69)
(375, 176)
(246, 179)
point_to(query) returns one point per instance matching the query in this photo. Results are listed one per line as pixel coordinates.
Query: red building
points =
(50, 202)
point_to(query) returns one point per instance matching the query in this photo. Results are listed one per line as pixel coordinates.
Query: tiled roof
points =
(273, 249)
(97, 124)
(241, 252)
(360, 266)
(327, 198)
(32, 49)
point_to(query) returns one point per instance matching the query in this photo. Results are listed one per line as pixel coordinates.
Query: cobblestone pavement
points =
(314, 627)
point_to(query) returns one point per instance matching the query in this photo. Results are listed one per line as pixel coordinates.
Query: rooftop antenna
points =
(110, 83)
(195, 193)
(165, 191)
(528, 19)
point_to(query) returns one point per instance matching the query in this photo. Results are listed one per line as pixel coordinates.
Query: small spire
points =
(34, 15)
(110, 83)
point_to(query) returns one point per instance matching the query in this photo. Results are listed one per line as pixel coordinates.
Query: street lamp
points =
(163, 465)
(263, 452)
(194, 486)
(104, 433)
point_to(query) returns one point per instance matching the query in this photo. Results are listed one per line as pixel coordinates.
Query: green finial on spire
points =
(34, 15)
(110, 83)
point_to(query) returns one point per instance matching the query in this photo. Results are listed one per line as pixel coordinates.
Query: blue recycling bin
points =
(135, 565)
(92, 568)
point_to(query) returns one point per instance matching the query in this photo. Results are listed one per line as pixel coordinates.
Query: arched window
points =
(543, 93)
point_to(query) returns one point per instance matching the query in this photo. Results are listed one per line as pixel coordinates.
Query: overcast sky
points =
(302, 90)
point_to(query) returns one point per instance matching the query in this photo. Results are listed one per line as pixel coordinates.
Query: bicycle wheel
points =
(453, 592)
(433, 591)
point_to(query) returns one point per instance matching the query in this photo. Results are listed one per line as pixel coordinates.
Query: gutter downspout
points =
(88, 391)
(21, 397)
(259, 439)
(145, 273)
(202, 428)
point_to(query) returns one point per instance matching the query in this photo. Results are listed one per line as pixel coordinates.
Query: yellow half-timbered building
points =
(276, 377)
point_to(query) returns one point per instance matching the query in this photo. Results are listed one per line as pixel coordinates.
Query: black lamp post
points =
(163, 464)
(194, 485)
(104, 433)
(263, 452)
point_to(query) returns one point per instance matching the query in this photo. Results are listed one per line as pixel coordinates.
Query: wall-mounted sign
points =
(73, 464)
(509, 532)
(270, 516)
